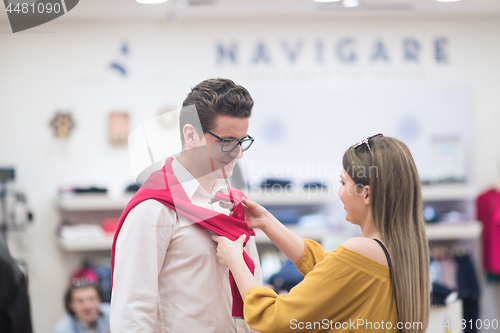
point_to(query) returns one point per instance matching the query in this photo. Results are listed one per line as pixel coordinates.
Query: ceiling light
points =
(350, 3)
(151, 1)
(327, 0)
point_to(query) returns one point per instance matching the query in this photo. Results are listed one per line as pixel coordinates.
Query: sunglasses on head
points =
(81, 283)
(367, 141)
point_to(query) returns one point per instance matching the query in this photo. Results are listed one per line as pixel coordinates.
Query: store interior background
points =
(65, 65)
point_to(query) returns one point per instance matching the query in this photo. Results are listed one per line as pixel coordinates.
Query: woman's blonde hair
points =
(387, 166)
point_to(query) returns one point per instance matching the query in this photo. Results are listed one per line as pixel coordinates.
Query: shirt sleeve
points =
(140, 252)
(324, 294)
(313, 254)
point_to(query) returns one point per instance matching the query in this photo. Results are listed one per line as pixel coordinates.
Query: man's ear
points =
(367, 195)
(191, 136)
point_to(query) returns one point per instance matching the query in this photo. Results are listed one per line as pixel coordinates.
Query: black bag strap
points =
(392, 275)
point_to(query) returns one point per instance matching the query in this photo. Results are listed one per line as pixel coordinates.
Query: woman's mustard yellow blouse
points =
(342, 291)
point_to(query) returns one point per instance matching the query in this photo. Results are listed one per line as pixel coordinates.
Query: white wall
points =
(66, 67)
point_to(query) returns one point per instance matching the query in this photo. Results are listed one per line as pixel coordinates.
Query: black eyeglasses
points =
(367, 141)
(228, 145)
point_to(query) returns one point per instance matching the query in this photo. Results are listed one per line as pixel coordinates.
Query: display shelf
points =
(104, 243)
(84, 202)
(303, 197)
(447, 192)
(445, 231)
(312, 233)
(86, 243)
(451, 231)
(93, 202)
(439, 192)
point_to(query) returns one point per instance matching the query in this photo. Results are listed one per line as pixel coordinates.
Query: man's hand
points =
(229, 252)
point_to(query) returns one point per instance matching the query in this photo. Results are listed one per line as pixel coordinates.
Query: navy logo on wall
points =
(345, 51)
(119, 66)
(26, 14)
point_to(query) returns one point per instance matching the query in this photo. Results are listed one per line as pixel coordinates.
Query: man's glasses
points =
(228, 145)
(367, 141)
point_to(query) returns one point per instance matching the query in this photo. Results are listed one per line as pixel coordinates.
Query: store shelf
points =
(93, 202)
(451, 231)
(313, 233)
(444, 231)
(440, 192)
(104, 243)
(87, 243)
(447, 192)
(87, 202)
(303, 197)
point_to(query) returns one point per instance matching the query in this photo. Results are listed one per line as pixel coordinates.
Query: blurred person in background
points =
(86, 313)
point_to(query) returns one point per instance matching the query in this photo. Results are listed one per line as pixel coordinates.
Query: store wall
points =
(68, 67)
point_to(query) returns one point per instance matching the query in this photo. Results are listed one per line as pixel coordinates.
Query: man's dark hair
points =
(215, 97)
(68, 297)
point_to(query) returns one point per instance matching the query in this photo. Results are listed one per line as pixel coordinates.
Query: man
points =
(86, 313)
(166, 277)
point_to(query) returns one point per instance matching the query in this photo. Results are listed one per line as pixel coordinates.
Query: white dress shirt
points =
(166, 276)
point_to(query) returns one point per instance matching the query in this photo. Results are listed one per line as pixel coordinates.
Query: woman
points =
(350, 288)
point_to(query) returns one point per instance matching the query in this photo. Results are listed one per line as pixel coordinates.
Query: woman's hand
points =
(229, 252)
(255, 215)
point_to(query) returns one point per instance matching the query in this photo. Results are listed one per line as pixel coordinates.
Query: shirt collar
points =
(191, 184)
(188, 182)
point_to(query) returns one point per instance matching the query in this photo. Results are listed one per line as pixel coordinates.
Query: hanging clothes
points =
(435, 270)
(441, 295)
(448, 273)
(468, 291)
(104, 275)
(488, 212)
